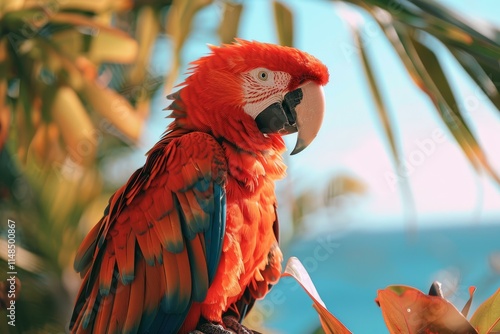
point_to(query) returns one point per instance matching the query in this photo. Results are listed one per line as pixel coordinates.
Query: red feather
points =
(143, 256)
(136, 303)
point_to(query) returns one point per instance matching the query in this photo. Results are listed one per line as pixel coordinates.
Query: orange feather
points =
(120, 307)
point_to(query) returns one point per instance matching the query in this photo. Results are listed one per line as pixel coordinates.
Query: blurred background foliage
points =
(76, 86)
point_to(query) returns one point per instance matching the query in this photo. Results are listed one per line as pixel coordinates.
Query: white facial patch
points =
(263, 87)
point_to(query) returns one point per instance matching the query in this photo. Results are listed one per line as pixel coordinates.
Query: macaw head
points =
(249, 92)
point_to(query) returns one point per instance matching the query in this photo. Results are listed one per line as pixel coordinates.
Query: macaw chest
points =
(250, 224)
(251, 209)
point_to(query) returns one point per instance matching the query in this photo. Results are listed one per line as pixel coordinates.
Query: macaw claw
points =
(233, 324)
(210, 328)
(232, 327)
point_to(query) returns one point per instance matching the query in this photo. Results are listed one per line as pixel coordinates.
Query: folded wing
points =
(157, 248)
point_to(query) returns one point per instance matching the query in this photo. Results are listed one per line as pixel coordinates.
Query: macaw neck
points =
(224, 122)
(250, 171)
(254, 158)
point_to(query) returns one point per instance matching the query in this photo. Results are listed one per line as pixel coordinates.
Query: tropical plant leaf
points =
(115, 108)
(51, 7)
(21, 22)
(486, 319)
(409, 311)
(478, 74)
(5, 116)
(437, 20)
(75, 126)
(381, 108)
(342, 185)
(283, 17)
(96, 6)
(466, 308)
(420, 62)
(146, 33)
(46, 147)
(387, 24)
(3, 57)
(69, 42)
(402, 23)
(179, 23)
(107, 44)
(438, 89)
(23, 120)
(452, 29)
(10, 5)
(330, 324)
(383, 116)
(111, 47)
(228, 28)
(4, 113)
(72, 73)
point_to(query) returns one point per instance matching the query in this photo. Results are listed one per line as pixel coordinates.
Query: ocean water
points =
(348, 270)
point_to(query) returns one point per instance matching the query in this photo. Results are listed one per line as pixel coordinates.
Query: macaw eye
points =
(262, 75)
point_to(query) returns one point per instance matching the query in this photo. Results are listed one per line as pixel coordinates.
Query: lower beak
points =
(301, 111)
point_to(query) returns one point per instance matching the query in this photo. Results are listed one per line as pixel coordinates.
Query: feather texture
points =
(152, 258)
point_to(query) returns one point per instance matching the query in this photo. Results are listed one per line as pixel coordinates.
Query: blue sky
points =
(445, 186)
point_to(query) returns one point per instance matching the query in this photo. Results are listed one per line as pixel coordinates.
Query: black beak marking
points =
(281, 117)
(291, 100)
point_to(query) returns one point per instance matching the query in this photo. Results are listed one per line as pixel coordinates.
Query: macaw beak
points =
(300, 111)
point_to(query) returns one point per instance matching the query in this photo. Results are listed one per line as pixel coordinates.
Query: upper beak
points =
(300, 111)
(310, 113)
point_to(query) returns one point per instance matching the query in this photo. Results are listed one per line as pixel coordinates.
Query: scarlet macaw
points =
(191, 240)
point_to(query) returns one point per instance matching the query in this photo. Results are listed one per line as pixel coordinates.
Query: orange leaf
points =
(96, 6)
(408, 310)
(115, 108)
(330, 324)
(4, 114)
(75, 125)
(108, 44)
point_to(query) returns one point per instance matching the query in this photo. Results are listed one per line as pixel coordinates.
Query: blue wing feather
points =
(214, 236)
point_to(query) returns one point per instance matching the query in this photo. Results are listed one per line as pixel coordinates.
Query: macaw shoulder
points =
(197, 149)
(176, 163)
